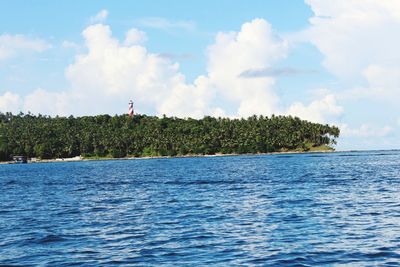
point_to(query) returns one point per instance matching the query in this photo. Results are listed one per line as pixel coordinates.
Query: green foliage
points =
(119, 136)
(3, 144)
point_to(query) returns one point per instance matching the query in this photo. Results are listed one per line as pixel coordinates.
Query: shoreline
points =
(80, 158)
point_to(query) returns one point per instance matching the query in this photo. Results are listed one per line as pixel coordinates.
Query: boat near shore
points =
(20, 159)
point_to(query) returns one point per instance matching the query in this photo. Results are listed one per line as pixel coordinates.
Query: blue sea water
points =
(336, 209)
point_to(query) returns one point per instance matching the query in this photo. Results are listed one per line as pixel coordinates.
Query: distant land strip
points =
(119, 136)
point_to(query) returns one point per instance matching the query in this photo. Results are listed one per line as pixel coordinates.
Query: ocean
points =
(334, 209)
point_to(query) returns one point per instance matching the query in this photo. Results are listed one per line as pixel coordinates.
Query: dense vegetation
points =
(119, 136)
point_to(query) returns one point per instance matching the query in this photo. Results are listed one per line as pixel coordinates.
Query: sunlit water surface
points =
(278, 210)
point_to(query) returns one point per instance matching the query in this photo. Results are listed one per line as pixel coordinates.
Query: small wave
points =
(284, 156)
(297, 261)
(363, 154)
(80, 189)
(383, 254)
(14, 265)
(98, 209)
(372, 256)
(50, 239)
(6, 211)
(201, 182)
(89, 252)
(11, 182)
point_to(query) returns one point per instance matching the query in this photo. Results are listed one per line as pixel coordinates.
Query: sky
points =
(335, 62)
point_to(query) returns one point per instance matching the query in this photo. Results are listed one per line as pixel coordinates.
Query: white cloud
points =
(365, 130)
(222, 92)
(358, 41)
(10, 102)
(384, 81)
(254, 46)
(353, 34)
(14, 45)
(99, 17)
(323, 110)
(135, 36)
(114, 72)
(47, 103)
(189, 100)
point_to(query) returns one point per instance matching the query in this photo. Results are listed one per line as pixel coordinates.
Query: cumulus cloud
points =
(357, 40)
(10, 102)
(135, 36)
(47, 103)
(322, 110)
(112, 71)
(384, 81)
(354, 34)
(190, 100)
(99, 17)
(254, 46)
(14, 45)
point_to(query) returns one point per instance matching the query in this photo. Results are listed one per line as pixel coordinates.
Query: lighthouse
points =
(130, 109)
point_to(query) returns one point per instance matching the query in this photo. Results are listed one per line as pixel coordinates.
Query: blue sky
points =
(325, 61)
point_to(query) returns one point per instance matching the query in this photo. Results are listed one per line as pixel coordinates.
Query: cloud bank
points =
(239, 80)
(358, 42)
(359, 47)
(111, 72)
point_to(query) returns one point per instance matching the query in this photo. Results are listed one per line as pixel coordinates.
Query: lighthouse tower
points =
(130, 109)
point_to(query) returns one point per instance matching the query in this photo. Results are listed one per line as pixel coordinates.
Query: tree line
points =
(120, 135)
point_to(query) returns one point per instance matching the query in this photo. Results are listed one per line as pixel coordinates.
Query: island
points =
(119, 136)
